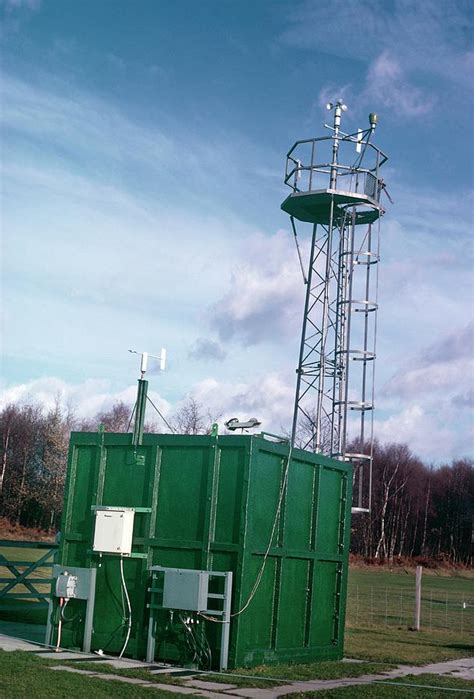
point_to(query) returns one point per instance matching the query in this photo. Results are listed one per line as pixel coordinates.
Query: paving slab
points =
(122, 664)
(212, 695)
(464, 665)
(460, 668)
(179, 689)
(216, 686)
(8, 643)
(101, 675)
(64, 655)
(463, 675)
(253, 692)
(121, 678)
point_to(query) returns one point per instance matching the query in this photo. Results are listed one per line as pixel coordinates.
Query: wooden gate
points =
(25, 570)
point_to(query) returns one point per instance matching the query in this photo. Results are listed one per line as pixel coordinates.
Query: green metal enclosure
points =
(209, 503)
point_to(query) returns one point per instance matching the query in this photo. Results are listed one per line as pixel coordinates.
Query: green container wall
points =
(213, 503)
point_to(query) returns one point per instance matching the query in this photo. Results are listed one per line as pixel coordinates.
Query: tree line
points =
(417, 510)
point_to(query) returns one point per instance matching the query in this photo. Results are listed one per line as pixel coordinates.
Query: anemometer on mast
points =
(336, 187)
(142, 395)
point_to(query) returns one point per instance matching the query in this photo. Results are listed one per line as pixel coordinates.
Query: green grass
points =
(23, 674)
(408, 647)
(379, 599)
(259, 677)
(288, 672)
(426, 687)
(134, 673)
(382, 597)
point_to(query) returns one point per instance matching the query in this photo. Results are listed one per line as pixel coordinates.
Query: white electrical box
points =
(113, 530)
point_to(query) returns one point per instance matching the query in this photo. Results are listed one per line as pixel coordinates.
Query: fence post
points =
(419, 571)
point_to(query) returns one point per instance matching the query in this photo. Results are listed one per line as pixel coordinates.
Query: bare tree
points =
(7, 420)
(192, 418)
(116, 419)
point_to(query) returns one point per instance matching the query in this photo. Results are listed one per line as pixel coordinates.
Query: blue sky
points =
(143, 151)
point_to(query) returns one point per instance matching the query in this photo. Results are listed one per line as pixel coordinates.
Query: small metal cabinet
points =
(186, 589)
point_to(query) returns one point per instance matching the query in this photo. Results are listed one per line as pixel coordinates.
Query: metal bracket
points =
(86, 578)
(224, 621)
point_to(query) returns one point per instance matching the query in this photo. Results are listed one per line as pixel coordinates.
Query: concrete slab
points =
(101, 675)
(122, 664)
(465, 665)
(121, 678)
(64, 655)
(8, 643)
(255, 693)
(211, 686)
(177, 689)
(212, 695)
(463, 675)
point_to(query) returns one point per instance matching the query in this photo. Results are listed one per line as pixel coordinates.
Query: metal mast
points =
(336, 187)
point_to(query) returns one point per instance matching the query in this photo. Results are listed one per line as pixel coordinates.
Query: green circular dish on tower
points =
(315, 206)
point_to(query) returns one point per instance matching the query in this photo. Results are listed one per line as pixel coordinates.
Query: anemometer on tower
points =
(142, 395)
(336, 187)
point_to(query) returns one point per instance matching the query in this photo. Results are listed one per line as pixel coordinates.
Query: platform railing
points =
(309, 166)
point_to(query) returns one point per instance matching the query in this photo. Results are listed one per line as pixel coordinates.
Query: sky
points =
(142, 164)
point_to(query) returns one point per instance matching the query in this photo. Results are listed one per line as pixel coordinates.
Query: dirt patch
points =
(12, 532)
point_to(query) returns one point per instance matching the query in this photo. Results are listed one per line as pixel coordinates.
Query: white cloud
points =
(388, 85)
(401, 47)
(265, 293)
(427, 436)
(445, 368)
(430, 37)
(86, 398)
(268, 397)
(429, 399)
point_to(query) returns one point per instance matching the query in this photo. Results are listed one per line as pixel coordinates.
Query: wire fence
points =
(395, 606)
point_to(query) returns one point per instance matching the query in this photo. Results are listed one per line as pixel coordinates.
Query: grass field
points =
(379, 614)
(380, 597)
(15, 609)
(22, 674)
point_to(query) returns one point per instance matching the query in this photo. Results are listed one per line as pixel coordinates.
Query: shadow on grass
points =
(468, 647)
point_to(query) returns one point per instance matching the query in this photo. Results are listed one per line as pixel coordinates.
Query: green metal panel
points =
(210, 503)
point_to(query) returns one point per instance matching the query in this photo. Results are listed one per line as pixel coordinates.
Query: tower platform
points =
(315, 206)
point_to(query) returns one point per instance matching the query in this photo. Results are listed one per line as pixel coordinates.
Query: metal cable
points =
(131, 417)
(60, 624)
(298, 249)
(129, 629)
(162, 416)
(365, 134)
(258, 579)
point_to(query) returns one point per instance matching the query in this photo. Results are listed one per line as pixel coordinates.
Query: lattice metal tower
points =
(336, 187)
